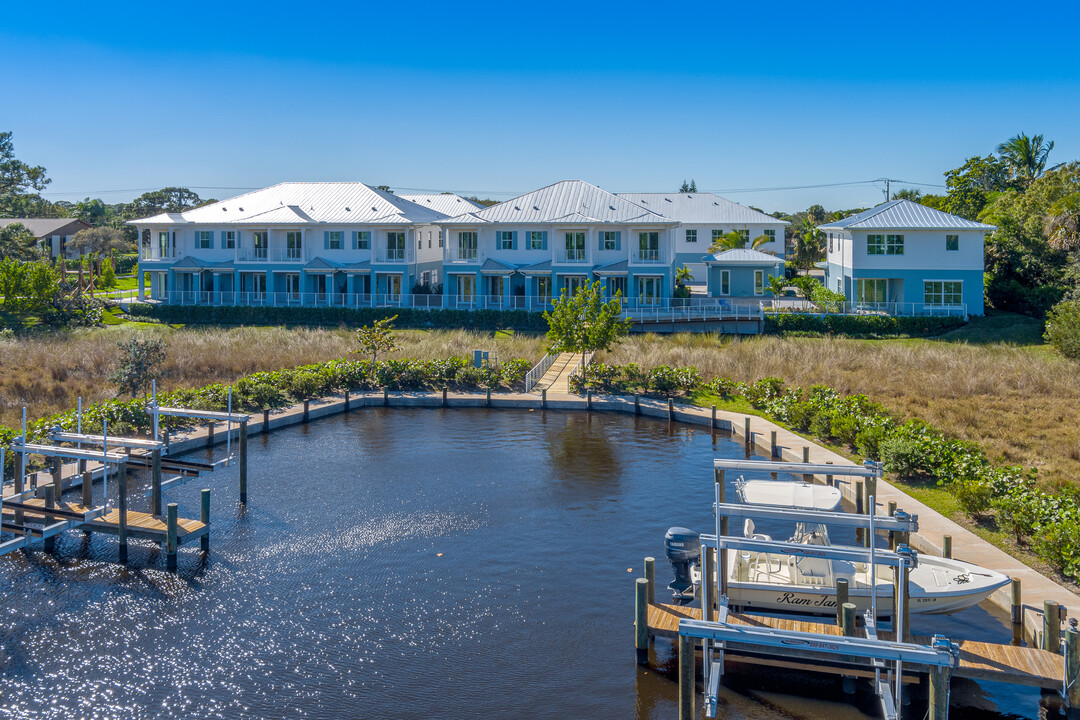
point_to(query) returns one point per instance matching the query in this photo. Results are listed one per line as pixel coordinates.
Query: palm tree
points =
(735, 239)
(1025, 156)
(776, 287)
(809, 244)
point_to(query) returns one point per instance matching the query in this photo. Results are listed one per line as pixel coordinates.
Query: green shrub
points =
(868, 440)
(975, 495)
(904, 457)
(514, 371)
(1063, 328)
(858, 325)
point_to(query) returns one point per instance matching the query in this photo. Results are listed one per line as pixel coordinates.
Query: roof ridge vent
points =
(348, 209)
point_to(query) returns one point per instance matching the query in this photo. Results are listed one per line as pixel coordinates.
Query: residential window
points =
(725, 282)
(506, 239)
(538, 240)
(574, 283)
(543, 289)
(393, 282)
(870, 290)
(609, 240)
(759, 282)
(335, 240)
(894, 244)
(575, 246)
(395, 246)
(204, 239)
(466, 287)
(466, 246)
(648, 290)
(744, 235)
(952, 243)
(260, 244)
(228, 239)
(717, 235)
(429, 239)
(830, 242)
(771, 234)
(943, 292)
(440, 238)
(163, 244)
(293, 245)
(875, 244)
(649, 246)
(691, 236)
(419, 242)
(616, 286)
(362, 240)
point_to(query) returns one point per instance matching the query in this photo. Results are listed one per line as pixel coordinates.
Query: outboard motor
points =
(683, 549)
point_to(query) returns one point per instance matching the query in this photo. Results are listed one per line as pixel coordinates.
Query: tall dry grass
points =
(1020, 404)
(48, 373)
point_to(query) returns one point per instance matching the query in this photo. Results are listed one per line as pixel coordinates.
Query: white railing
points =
(539, 370)
(576, 371)
(801, 306)
(646, 257)
(571, 256)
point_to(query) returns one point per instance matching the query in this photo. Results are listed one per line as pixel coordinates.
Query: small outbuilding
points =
(52, 233)
(741, 272)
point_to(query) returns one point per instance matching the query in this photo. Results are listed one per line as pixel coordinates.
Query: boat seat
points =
(748, 532)
(762, 562)
(812, 570)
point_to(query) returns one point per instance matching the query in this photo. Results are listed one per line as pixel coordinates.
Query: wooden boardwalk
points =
(978, 661)
(139, 524)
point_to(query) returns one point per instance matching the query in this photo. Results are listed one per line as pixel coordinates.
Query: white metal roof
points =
(565, 202)
(743, 256)
(701, 208)
(301, 203)
(445, 203)
(905, 215)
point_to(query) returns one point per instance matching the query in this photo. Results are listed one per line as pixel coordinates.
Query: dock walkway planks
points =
(979, 661)
(140, 525)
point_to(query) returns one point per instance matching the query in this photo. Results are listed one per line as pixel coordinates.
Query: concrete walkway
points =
(932, 526)
(557, 378)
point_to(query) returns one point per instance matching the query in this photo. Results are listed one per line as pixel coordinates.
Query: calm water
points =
(401, 564)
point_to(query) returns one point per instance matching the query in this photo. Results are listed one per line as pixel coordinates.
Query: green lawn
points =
(999, 327)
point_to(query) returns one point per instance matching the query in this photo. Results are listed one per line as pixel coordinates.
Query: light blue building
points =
(905, 258)
(323, 243)
(742, 272)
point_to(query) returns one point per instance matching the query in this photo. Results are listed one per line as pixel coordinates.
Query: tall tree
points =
(735, 240)
(585, 322)
(688, 188)
(18, 243)
(911, 194)
(975, 184)
(100, 240)
(139, 364)
(1025, 156)
(170, 199)
(19, 182)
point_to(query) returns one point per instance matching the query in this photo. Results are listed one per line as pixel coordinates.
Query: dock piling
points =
(1051, 627)
(242, 469)
(346, 400)
(748, 437)
(670, 408)
(121, 506)
(488, 403)
(386, 397)
(1072, 667)
(444, 391)
(155, 482)
(637, 404)
(859, 538)
(806, 458)
(588, 400)
(946, 547)
(842, 586)
(170, 538)
(87, 491)
(892, 534)
(709, 566)
(266, 421)
(50, 496)
(543, 398)
(204, 518)
(712, 425)
(847, 627)
(210, 435)
(1017, 603)
(772, 444)
(650, 575)
(686, 678)
(307, 411)
(940, 675)
(641, 620)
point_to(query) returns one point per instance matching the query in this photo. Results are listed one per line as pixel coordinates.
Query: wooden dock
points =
(139, 524)
(978, 661)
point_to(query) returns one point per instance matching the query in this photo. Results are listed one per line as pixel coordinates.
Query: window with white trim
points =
(870, 290)
(335, 240)
(759, 282)
(717, 234)
(943, 292)
(506, 239)
(363, 240)
(725, 282)
(771, 234)
(691, 235)
(538, 240)
(204, 239)
(609, 240)
(228, 239)
(952, 243)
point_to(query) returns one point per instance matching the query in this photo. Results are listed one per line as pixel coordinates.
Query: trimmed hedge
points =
(334, 316)
(858, 325)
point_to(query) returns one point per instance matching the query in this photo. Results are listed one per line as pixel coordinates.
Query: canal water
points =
(408, 564)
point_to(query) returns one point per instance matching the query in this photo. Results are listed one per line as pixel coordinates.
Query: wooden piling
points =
(307, 410)
(939, 692)
(847, 627)
(708, 564)
(772, 445)
(650, 575)
(204, 518)
(902, 590)
(806, 458)
(543, 398)
(444, 391)
(346, 401)
(748, 437)
(946, 546)
(721, 558)
(266, 421)
(637, 404)
(20, 473)
(1051, 627)
(670, 408)
(58, 475)
(50, 502)
(871, 492)
(155, 482)
(488, 403)
(386, 397)
(641, 619)
(712, 425)
(170, 538)
(842, 587)
(859, 535)
(1072, 666)
(210, 435)
(87, 490)
(829, 478)
(588, 400)
(121, 506)
(686, 678)
(242, 461)
(892, 534)
(1017, 603)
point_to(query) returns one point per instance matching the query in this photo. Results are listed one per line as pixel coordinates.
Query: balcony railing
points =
(462, 254)
(571, 255)
(646, 256)
(389, 254)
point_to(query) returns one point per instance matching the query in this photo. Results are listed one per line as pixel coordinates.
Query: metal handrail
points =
(539, 370)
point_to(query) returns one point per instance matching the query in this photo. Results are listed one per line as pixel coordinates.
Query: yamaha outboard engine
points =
(683, 549)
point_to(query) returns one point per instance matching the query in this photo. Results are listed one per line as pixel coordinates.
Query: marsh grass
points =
(48, 373)
(1021, 404)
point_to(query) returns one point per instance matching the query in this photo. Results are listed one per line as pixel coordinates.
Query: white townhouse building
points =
(315, 243)
(704, 218)
(906, 258)
(523, 252)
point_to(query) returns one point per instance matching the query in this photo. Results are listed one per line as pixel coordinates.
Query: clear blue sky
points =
(500, 98)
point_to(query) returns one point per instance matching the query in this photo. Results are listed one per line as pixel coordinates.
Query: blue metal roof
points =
(905, 215)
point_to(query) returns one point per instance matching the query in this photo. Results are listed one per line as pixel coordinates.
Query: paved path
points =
(557, 379)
